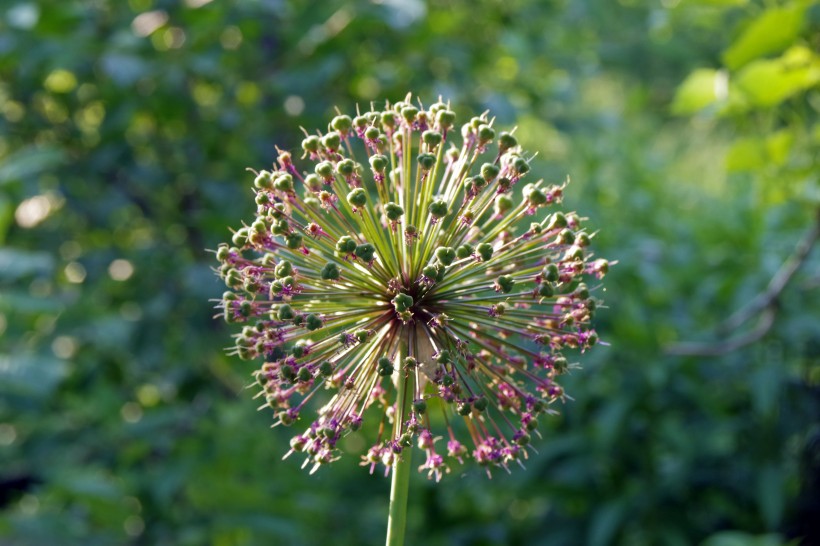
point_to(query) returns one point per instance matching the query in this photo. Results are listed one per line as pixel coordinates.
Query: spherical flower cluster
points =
(395, 275)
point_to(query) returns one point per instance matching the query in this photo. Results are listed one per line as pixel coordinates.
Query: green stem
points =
(397, 519)
(400, 483)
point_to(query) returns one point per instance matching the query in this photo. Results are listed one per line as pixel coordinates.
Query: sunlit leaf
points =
(774, 30)
(769, 82)
(701, 88)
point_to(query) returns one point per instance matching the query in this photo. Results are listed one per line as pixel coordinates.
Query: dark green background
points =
(122, 421)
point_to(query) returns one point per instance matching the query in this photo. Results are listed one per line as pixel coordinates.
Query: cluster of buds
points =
(397, 277)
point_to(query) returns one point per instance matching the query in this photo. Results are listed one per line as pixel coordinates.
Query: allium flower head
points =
(393, 273)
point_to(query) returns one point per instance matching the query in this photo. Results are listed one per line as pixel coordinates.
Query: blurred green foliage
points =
(690, 130)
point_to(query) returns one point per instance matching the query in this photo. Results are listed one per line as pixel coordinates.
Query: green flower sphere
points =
(395, 275)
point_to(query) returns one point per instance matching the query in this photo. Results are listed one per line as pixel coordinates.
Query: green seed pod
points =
(285, 312)
(298, 320)
(427, 161)
(581, 291)
(360, 122)
(379, 163)
(345, 245)
(557, 220)
(402, 302)
(304, 375)
(388, 120)
(284, 183)
(478, 182)
(505, 283)
(550, 273)
(294, 240)
(346, 167)
(283, 269)
(430, 271)
(330, 272)
(361, 335)
(481, 404)
(431, 138)
(342, 123)
(521, 166)
(536, 197)
(313, 183)
(263, 181)
(326, 368)
(582, 239)
(464, 251)
(445, 118)
(278, 211)
(233, 279)
(464, 408)
(385, 367)
(313, 322)
(311, 144)
(409, 113)
(532, 424)
(438, 208)
(357, 197)
(324, 169)
(485, 251)
(445, 255)
(393, 211)
(506, 141)
(262, 199)
(287, 372)
(229, 296)
(223, 252)
(489, 171)
(545, 290)
(535, 228)
(444, 357)
(566, 237)
(447, 380)
(420, 406)
(523, 439)
(503, 203)
(280, 227)
(372, 133)
(504, 185)
(486, 133)
(240, 238)
(365, 252)
(331, 141)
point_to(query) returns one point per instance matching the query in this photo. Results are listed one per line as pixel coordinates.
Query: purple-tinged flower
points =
(396, 278)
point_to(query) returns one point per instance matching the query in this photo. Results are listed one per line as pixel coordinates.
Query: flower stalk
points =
(400, 482)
